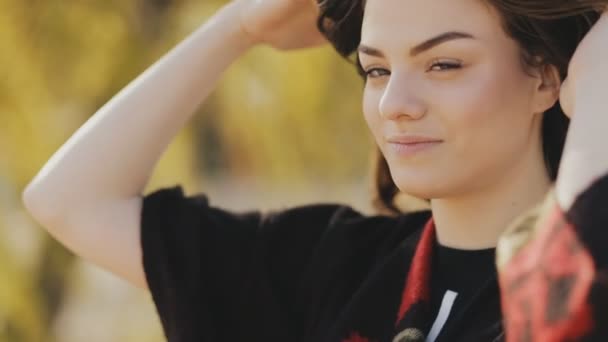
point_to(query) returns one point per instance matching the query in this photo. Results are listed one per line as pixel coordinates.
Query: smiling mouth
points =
(410, 149)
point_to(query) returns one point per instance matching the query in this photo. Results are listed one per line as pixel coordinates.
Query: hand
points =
(588, 69)
(283, 24)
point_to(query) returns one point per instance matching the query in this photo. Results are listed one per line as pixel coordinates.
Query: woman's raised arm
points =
(584, 98)
(89, 194)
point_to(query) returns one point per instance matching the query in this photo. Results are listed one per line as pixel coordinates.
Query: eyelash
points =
(450, 67)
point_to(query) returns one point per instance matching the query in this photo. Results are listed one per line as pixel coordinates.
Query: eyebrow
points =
(420, 48)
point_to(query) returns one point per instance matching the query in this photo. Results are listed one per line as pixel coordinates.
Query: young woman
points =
(462, 98)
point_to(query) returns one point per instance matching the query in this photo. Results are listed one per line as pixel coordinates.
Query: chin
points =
(421, 193)
(421, 186)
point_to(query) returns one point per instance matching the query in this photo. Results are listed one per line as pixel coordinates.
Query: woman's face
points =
(468, 90)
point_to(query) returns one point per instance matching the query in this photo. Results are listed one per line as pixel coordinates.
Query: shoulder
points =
(344, 221)
(339, 218)
(347, 236)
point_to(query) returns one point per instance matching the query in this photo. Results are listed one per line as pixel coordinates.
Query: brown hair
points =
(547, 31)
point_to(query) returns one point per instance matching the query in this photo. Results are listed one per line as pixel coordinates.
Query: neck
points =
(475, 220)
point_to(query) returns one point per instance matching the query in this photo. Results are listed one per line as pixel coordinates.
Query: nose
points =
(401, 99)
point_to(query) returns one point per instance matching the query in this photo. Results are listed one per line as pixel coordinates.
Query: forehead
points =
(412, 21)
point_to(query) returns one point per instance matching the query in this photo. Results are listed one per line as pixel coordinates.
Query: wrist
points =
(232, 15)
(229, 18)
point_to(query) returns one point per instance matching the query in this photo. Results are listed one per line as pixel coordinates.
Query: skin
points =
(583, 98)
(88, 208)
(482, 104)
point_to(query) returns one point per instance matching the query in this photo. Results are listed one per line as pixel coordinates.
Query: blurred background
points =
(282, 129)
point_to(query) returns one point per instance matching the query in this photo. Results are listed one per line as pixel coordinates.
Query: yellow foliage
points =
(287, 117)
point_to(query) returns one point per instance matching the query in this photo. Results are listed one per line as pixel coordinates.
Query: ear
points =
(548, 88)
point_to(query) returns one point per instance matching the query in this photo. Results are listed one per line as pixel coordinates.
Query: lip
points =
(411, 139)
(409, 145)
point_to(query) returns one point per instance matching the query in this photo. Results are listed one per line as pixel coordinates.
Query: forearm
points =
(585, 156)
(114, 153)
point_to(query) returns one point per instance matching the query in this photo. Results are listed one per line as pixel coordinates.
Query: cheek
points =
(371, 101)
(489, 125)
(487, 103)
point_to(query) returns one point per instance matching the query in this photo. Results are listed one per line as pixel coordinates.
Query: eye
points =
(444, 66)
(376, 72)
